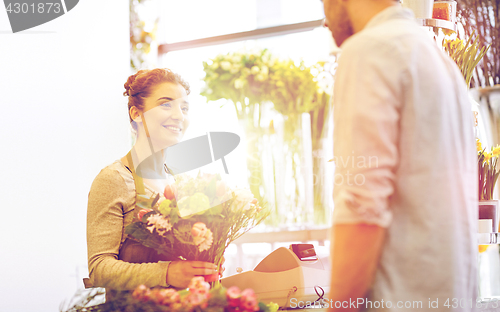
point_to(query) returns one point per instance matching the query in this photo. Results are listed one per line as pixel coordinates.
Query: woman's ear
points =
(135, 114)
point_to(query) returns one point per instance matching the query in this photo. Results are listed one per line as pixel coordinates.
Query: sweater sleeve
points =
(106, 211)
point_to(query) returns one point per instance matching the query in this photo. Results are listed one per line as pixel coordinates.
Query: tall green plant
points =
(483, 17)
(488, 170)
(466, 56)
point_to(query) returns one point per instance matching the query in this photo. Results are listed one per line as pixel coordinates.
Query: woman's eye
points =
(185, 109)
(166, 104)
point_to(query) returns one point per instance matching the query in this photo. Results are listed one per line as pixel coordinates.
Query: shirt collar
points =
(390, 13)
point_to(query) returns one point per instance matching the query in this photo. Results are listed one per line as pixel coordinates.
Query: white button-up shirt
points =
(405, 160)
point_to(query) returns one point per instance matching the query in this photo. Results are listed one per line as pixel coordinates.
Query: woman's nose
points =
(177, 113)
(325, 23)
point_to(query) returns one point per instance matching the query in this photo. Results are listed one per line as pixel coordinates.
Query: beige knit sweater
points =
(110, 209)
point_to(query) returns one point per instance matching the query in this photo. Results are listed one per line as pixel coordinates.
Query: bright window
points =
(190, 20)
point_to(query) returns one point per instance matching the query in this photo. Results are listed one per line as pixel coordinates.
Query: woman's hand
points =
(181, 272)
(222, 268)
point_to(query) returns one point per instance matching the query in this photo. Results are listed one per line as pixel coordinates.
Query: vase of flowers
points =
(256, 81)
(488, 173)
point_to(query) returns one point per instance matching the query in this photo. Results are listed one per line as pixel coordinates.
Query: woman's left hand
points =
(222, 268)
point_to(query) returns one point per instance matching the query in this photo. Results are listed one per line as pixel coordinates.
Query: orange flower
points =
(482, 248)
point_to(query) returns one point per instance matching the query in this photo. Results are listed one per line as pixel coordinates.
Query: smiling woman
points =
(158, 107)
(159, 114)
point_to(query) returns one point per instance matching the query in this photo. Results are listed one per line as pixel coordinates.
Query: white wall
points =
(63, 118)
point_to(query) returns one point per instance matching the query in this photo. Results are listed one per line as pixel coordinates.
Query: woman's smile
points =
(174, 129)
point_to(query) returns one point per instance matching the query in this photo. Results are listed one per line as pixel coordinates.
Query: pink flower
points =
(199, 229)
(198, 284)
(170, 192)
(194, 299)
(233, 296)
(141, 293)
(249, 301)
(142, 213)
(202, 236)
(159, 223)
(165, 297)
(233, 292)
(207, 242)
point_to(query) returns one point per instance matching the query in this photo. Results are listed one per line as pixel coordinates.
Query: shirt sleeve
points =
(366, 121)
(107, 205)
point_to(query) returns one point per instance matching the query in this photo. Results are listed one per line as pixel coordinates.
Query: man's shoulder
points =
(394, 36)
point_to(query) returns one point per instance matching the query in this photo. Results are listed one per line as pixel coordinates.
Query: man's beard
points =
(342, 28)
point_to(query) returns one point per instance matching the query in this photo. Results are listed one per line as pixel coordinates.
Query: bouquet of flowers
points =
(198, 297)
(198, 219)
(488, 170)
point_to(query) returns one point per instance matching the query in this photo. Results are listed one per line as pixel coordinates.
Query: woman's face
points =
(166, 114)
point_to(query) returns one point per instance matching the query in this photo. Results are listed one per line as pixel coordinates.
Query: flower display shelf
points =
(488, 238)
(439, 23)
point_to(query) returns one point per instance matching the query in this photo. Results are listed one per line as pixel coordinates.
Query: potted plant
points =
(488, 173)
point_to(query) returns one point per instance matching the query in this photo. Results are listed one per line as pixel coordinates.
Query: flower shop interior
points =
(263, 69)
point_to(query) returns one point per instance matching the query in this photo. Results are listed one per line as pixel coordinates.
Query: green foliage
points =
(488, 171)
(165, 208)
(218, 297)
(257, 77)
(137, 230)
(467, 57)
(140, 38)
(174, 215)
(183, 233)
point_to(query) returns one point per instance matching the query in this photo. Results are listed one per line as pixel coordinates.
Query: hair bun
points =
(129, 91)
